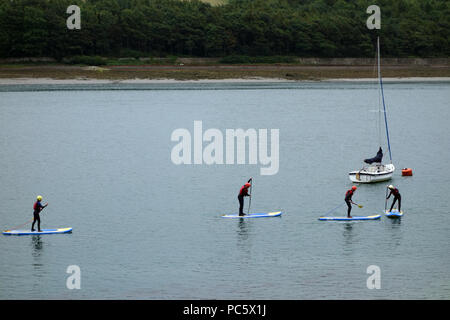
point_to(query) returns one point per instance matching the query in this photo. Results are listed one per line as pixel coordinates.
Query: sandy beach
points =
(50, 81)
(69, 74)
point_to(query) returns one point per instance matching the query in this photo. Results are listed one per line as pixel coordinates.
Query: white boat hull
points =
(373, 173)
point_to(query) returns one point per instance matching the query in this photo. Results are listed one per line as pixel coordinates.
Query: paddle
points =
(16, 227)
(332, 210)
(359, 206)
(385, 201)
(250, 198)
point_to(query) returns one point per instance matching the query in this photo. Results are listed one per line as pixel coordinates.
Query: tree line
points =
(306, 28)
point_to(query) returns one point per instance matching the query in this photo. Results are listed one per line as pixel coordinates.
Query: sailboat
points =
(375, 170)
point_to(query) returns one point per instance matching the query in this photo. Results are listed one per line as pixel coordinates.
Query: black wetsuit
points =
(348, 200)
(37, 209)
(397, 196)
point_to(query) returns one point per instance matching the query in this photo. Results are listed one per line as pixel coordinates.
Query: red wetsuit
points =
(243, 192)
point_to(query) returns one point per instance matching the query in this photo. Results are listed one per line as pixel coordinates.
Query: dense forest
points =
(307, 28)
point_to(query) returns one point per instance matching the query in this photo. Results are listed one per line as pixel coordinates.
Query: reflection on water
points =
(243, 230)
(243, 239)
(395, 231)
(395, 222)
(348, 236)
(37, 246)
(37, 263)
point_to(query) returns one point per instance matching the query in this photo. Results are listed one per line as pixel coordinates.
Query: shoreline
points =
(49, 74)
(79, 81)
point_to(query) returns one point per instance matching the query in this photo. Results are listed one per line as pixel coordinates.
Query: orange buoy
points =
(407, 172)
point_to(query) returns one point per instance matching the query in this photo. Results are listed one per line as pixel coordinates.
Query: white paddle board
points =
(253, 215)
(374, 217)
(29, 232)
(394, 214)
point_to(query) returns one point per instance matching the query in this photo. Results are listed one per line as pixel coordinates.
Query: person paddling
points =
(243, 192)
(348, 200)
(37, 207)
(397, 197)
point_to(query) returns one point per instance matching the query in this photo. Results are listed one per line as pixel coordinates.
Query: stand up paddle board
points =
(374, 217)
(29, 232)
(253, 215)
(394, 214)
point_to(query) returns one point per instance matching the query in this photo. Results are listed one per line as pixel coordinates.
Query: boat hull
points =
(372, 174)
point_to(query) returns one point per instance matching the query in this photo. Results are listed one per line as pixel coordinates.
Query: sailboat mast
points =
(382, 96)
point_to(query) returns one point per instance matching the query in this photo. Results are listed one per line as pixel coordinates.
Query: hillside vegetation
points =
(158, 28)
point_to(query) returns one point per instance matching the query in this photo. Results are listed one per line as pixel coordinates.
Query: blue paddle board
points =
(394, 214)
(29, 232)
(253, 215)
(374, 217)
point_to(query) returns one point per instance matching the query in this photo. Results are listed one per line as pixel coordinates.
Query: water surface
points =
(145, 228)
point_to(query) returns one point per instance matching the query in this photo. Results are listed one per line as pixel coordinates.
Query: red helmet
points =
(247, 185)
(354, 188)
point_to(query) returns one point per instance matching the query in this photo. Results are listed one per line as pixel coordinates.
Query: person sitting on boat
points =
(243, 192)
(397, 197)
(377, 158)
(37, 207)
(348, 200)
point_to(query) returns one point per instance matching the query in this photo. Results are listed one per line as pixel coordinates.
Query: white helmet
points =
(391, 186)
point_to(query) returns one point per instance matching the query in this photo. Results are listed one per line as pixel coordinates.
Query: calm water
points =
(144, 228)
